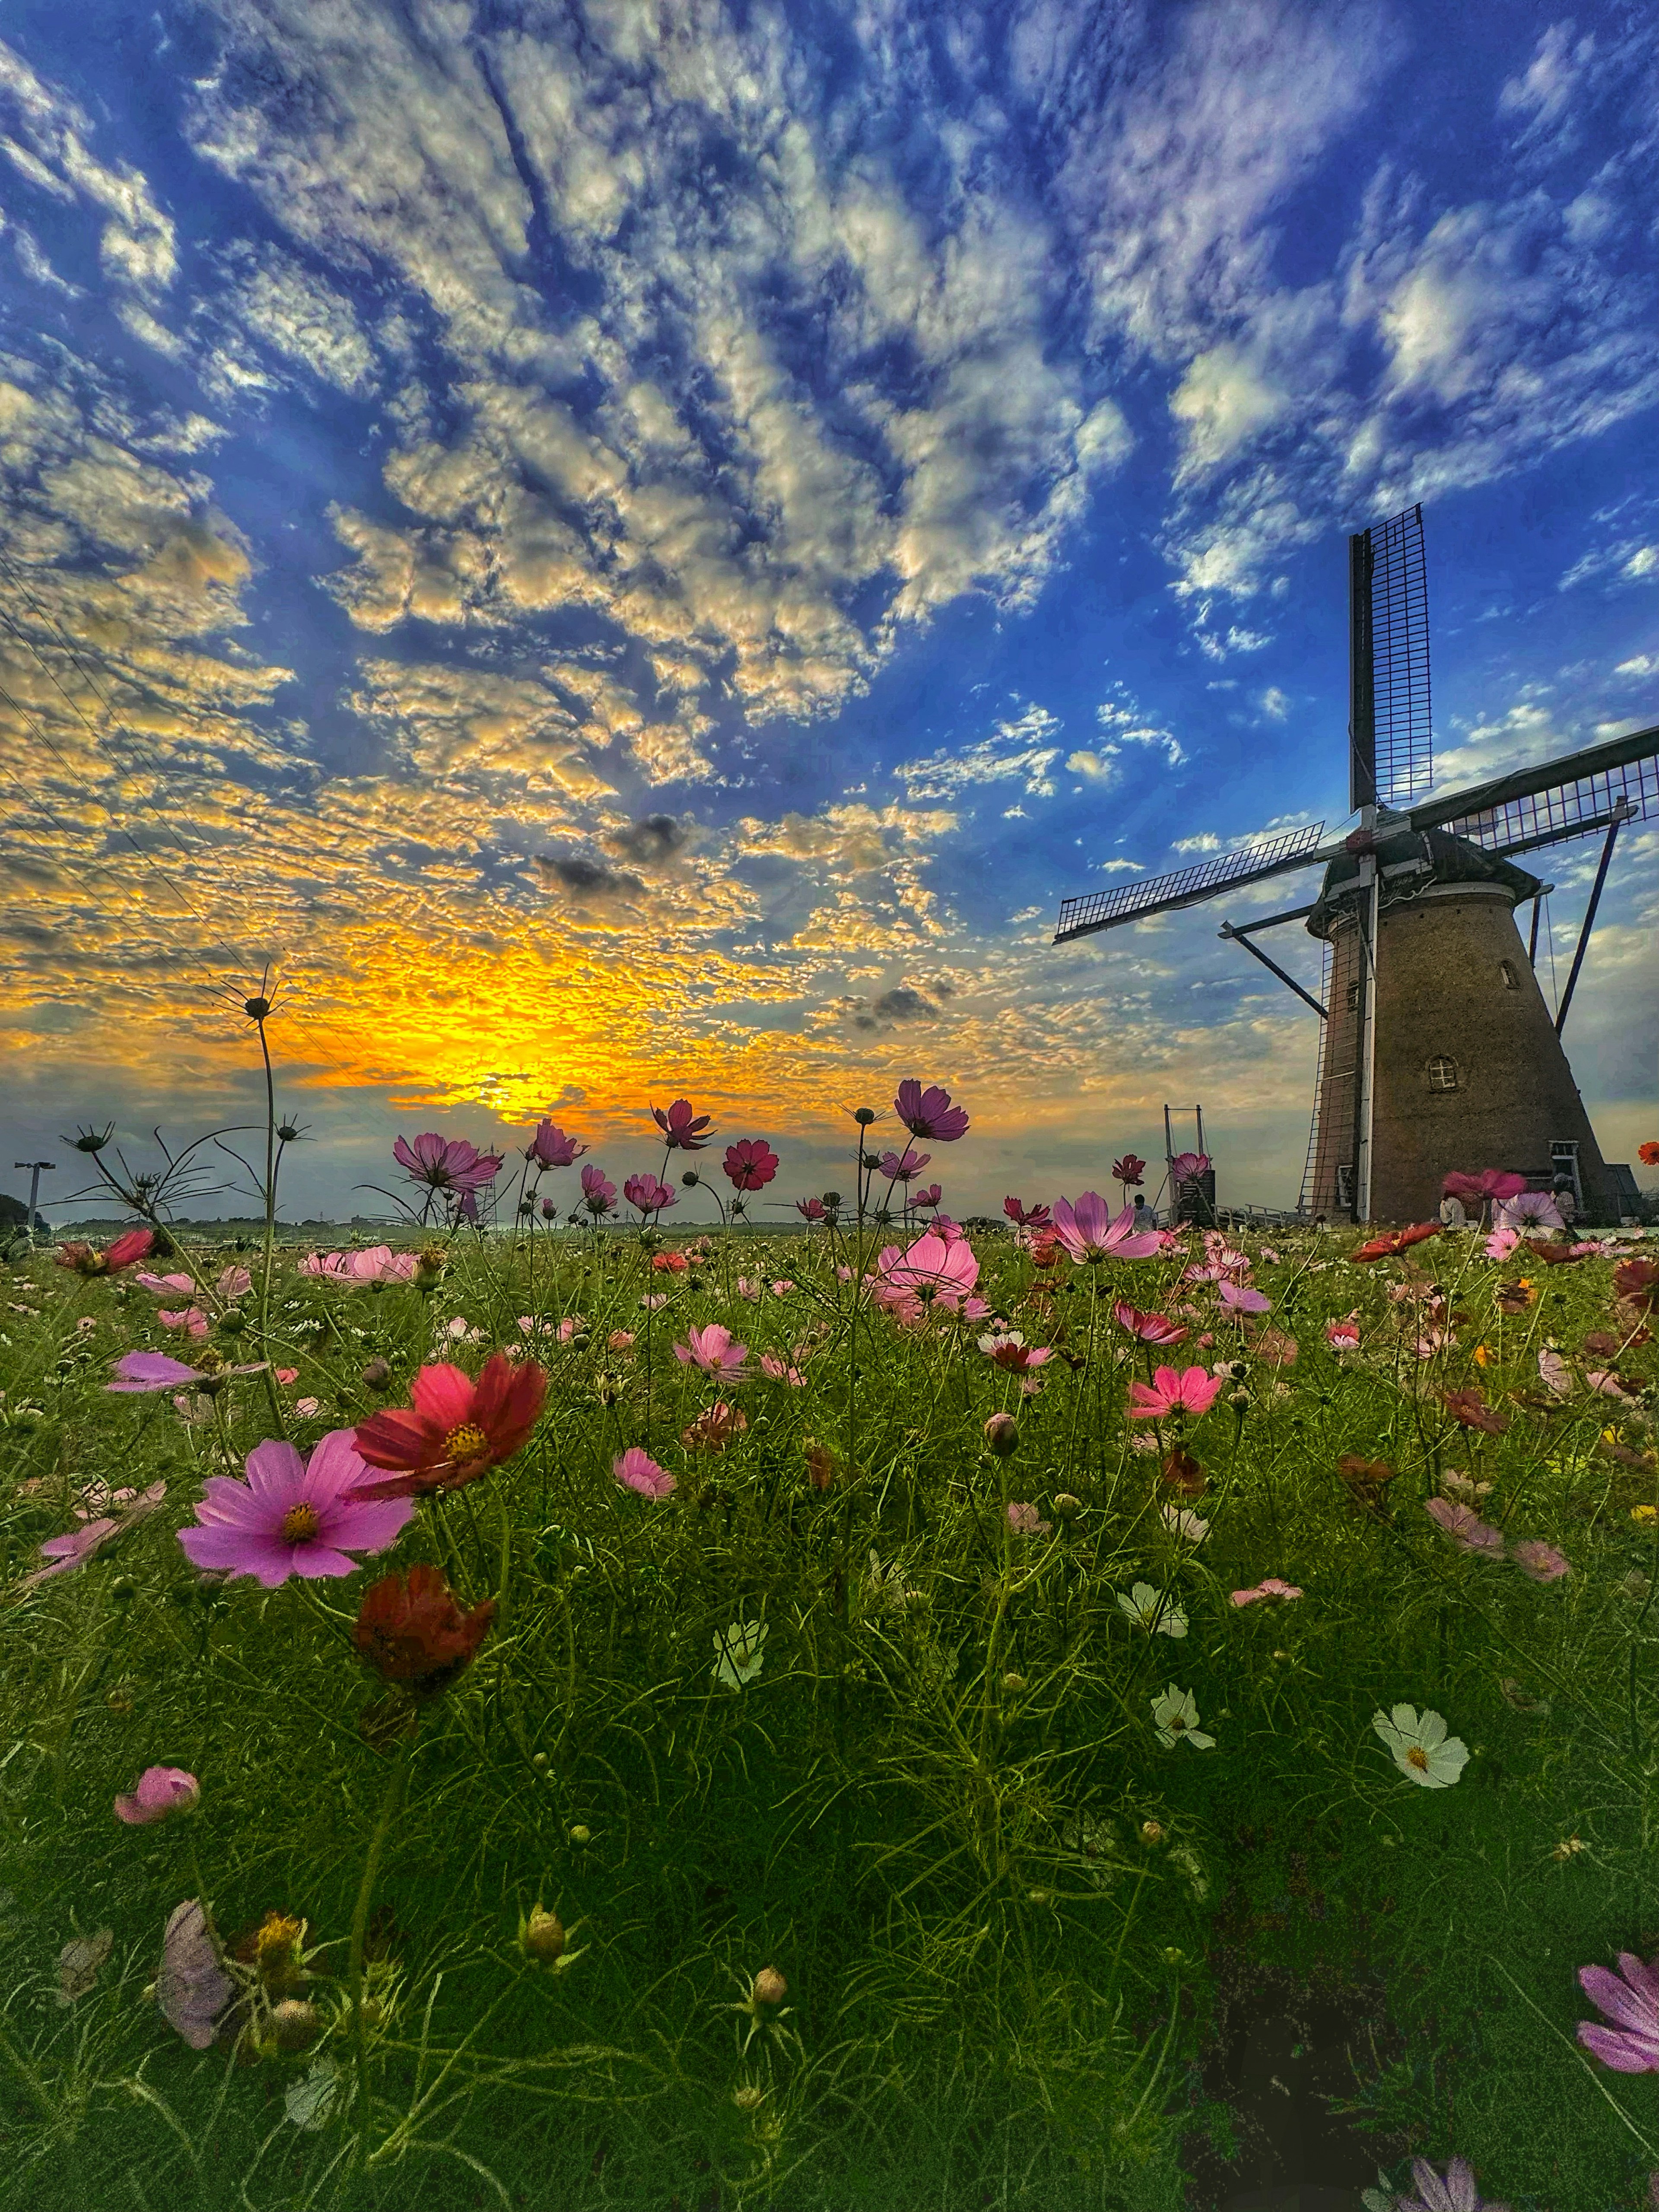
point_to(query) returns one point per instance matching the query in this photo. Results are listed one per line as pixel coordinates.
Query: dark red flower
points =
(1637, 1282)
(1183, 1473)
(1129, 1170)
(455, 1431)
(929, 1113)
(682, 1129)
(413, 1631)
(126, 1252)
(1470, 1407)
(1497, 1183)
(1026, 1217)
(810, 1209)
(1396, 1240)
(751, 1164)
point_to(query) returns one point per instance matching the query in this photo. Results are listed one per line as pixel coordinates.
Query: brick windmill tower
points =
(1437, 1049)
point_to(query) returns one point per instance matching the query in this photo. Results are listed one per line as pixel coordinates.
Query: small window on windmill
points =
(1443, 1073)
(1354, 995)
(1507, 976)
(1344, 1185)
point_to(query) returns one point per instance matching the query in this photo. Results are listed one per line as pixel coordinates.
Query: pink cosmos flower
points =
(234, 1283)
(636, 1470)
(305, 1408)
(154, 1370)
(1187, 1167)
(620, 1339)
(598, 1194)
(1534, 1208)
(159, 1790)
(779, 1370)
(550, 1148)
(926, 1201)
(712, 1350)
(1026, 1217)
(810, 1209)
(1024, 1522)
(69, 1552)
(1274, 1350)
(781, 1287)
(653, 1302)
(1343, 1335)
(166, 1286)
(287, 1375)
(1502, 1243)
(1466, 1528)
(905, 1166)
(191, 1318)
(1499, 1183)
(1632, 2047)
(451, 1164)
(124, 1252)
(191, 1987)
(1147, 1328)
(292, 1516)
(1541, 1561)
(1090, 1235)
(751, 1164)
(1009, 1351)
(929, 1114)
(1457, 2193)
(1191, 1391)
(1129, 1170)
(650, 1196)
(1241, 1298)
(1272, 1588)
(748, 1287)
(682, 1129)
(378, 1264)
(935, 1268)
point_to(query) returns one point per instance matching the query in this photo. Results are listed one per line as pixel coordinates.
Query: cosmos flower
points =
(597, 1195)
(810, 1209)
(1090, 1235)
(67, 1553)
(550, 1148)
(1150, 1610)
(905, 1166)
(1187, 1167)
(1396, 1240)
(1147, 1328)
(929, 1114)
(1498, 1183)
(1010, 1352)
(740, 1653)
(647, 1195)
(1422, 1750)
(936, 1268)
(158, 1791)
(1539, 1560)
(1466, 1527)
(636, 1470)
(454, 1430)
(716, 1428)
(751, 1164)
(1271, 1588)
(1343, 1335)
(1025, 1217)
(191, 1318)
(378, 1264)
(1648, 1153)
(1186, 1527)
(1632, 2045)
(1022, 1520)
(682, 1129)
(779, 1370)
(126, 1252)
(1243, 1297)
(1457, 2193)
(926, 1201)
(1529, 1208)
(712, 1350)
(292, 1517)
(1129, 1170)
(413, 1631)
(451, 1164)
(1176, 1714)
(191, 1988)
(1470, 1407)
(1189, 1391)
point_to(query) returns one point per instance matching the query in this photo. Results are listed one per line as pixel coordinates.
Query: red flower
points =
(1148, 1327)
(1129, 1170)
(810, 1209)
(126, 1252)
(1025, 1217)
(1396, 1240)
(413, 1631)
(670, 1263)
(1498, 1183)
(1470, 1407)
(455, 1431)
(682, 1129)
(751, 1164)
(1648, 1154)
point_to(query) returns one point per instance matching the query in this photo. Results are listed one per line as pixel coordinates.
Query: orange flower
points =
(1396, 1240)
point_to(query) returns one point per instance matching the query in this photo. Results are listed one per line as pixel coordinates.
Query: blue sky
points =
(634, 548)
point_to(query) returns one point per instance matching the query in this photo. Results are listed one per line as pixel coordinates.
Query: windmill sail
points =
(1295, 848)
(1390, 753)
(1558, 801)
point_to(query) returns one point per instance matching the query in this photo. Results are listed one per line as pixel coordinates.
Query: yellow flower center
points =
(1418, 1758)
(300, 1524)
(465, 1441)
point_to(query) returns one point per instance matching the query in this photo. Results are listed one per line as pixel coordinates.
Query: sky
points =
(630, 550)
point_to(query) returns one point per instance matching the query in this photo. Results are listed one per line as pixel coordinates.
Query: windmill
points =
(1437, 1048)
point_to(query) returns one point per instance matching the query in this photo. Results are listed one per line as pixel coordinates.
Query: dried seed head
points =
(543, 1936)
(1151, 1832)
(1002, 1435)
(295, 2024)
(769, 1987)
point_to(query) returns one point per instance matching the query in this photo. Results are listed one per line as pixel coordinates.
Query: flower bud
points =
(581, 1835)
(289, 1132)
(1013, 1682)
(831, 1200)
(691, 1179)
(295, 2024)
(769, 1987)
(864, 1116)
(232, 1321)
(542, 1936)
(377, 1375)
(257, 1009)
(1001, 1434)
(1241, 1401)
(549, 1212)
(1067, 1506)
(1151, 1832)
(429, 1267)
(748, 2099)
(123, 1590)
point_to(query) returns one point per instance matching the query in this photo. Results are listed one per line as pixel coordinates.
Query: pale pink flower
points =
(159, 1790)
(166, 1285)
(1243, 1297)
(189, 1317)
(620, 1339)
(1343, 1335)
(636, 1470)
(305, 1408)
(1271, 1588)
(712, 1350)
(191, 1988)
(781, 1288)
(1090, 1235)
(1556, 1374)
(1189, 1391)
(1024, 1522)
(1186, 1527)
(935, 1268)
(379, 1263)
(1534, 1208)
(1466, 1528)
(748, 1287)
(778, 1371)
(1541, 1561)
(653, 1300)
(234, 1283)
(1502, 1243)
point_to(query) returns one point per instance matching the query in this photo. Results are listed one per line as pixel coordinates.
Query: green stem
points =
(394, 1791)
(277, 1413)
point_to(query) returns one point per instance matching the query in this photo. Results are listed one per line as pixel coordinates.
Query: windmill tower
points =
(1439, 1051)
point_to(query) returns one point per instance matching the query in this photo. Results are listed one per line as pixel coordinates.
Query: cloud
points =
(303, 317)
(893, 1008)
(1203, 841)
(1274, 705)
(1094, 767)
(1015, 749)
(650, 841)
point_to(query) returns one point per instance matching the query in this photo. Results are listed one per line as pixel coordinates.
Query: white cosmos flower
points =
(1176, 1714)
(1422, 1749)
(1188, 1528)
(739, 1647)
(1142, 1605)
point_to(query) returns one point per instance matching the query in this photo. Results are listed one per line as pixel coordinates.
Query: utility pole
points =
(35, 1168)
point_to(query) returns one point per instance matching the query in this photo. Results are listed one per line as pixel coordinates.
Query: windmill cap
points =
(1450, 860)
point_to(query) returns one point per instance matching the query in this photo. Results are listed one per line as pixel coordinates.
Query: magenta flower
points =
(810, 1209)
(1272, 1588)
(682, 1128)
(191, 1318)
(597, 1195)
(292, 1516)
(650, 1196)
(1025, 1217)
(1632, 2047)
(66, 1553)
(1499, 1183)
(154, 1370)
(636, 1470)
(751, 1164)
(929, 1113)
(122, 1253)
(159, 1790)
(1187, 1167)
(1191, 1391)
(166, 1286)
(1541, 1561)
(1242, 1299)
(1129, 1170)
(936, 1268)
(447, 1165)
(712, 1350)
(550, 1148)
(926, 1201)
(1090, 1235)
(905, 1166)
(1147, 1328)
(1457, 2193)
(1466, 1528)
(191, 1988)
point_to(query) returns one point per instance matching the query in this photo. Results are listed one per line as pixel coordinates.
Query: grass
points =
(939, 1808)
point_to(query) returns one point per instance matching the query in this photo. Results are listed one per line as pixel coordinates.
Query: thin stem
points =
(389, 1803)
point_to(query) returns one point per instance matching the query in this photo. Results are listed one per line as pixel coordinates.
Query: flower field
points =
(631, 1709)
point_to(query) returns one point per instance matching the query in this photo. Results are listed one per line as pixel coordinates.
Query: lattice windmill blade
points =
(1557, 801)
(1273, 856)
(1390, 750)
